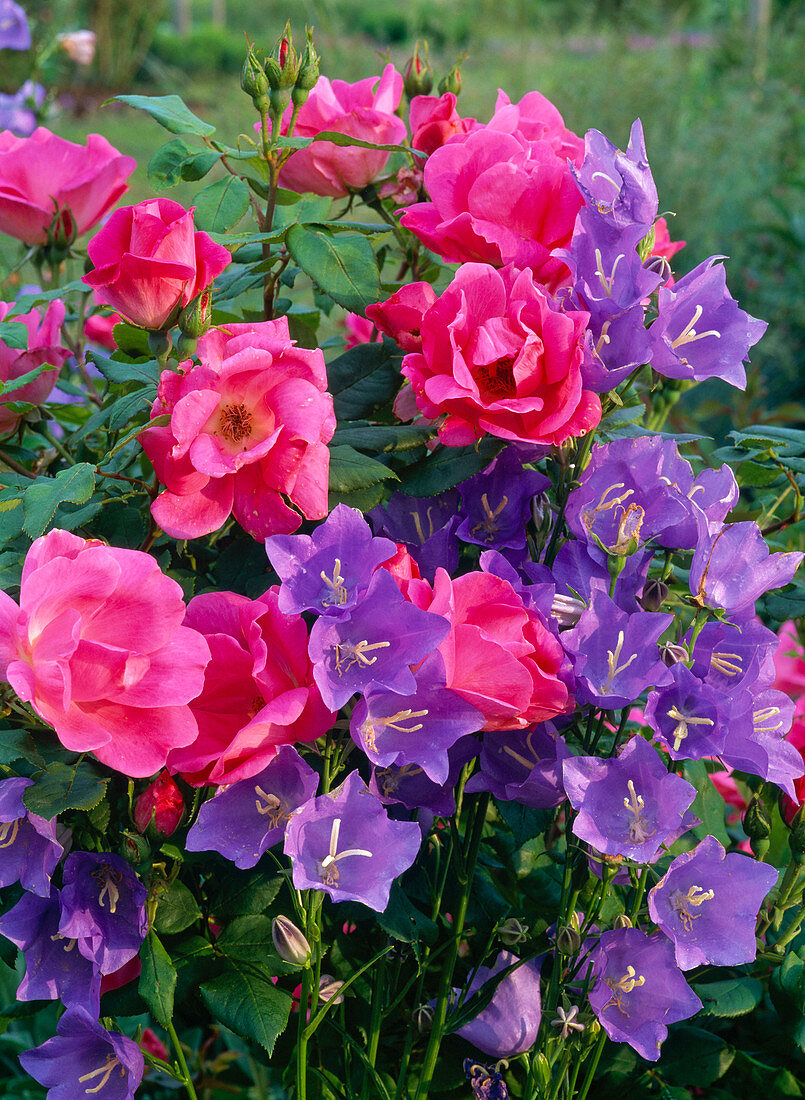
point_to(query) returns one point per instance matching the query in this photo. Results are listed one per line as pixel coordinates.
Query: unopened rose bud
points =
(309, 68)
(254, 81)
(423, 1019)
(512, 932)
(78, 45)
(196, 317)
(451, 82)
(159, 808)
(660, 266)
(418, 74)
(289, 942)
(330, 989)
(655, 593)
(673, 654)
(622, 921)
(568, 940)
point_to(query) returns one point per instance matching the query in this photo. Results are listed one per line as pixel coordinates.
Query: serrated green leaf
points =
(174, 162)
(14, 335)
(342, 267)
(43, 497)
(17, 744)
(755, 473)
(119, 372)
(122, 411)
(249, 939)
(249, 1004)
(525, 823)
(403, 921)
(235, 893)
(709, 806)
(382, 438)
(221, 205)
(170, 111)
(65, 787)
(350, 470)
(728, 998)
(693, 1056)
(363, 379)
(337, 138)
(447, 467)
(364, 500)
(176, 909)
(100, 815)
(157, 983)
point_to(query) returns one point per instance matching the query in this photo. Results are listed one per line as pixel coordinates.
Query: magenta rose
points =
(363, 110)
(259, 692)
(47, 183)
(537, 119)
(434, 120)
(501, 199)
(97, 646)
(248, 427)
(400, 316)
(150, 262)
(44, 346)
(500, 356)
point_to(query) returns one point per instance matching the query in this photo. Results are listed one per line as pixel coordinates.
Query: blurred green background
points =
(717, 84)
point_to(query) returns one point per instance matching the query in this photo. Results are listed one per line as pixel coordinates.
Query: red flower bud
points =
(159, 806)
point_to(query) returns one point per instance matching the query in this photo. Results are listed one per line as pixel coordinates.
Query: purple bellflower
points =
(53, 966)
(410, 786)
(15, 33)
(707, 903)
(345, 844)
(374, 646)
(427, 527)
(758, 723)
(638, 989)
(103, 908)
(329, 571)
(629, 805)
(732, 567)
(249, 817)
(687, 716)
(510, 1022)
(522, 766)
(497, 502)
(416, 729)
(614, 654)
(580, 567)
(18, 110)
(701, 332)
(732, 656)
(84, 1059)
(28, 842)
(618, 186)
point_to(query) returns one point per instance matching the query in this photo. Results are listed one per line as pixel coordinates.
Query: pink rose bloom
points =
(663, 245)
(536, 118)
(434, 120)
(248, 427)
(360, 331)
(259, 692)
(500, 199)
(789, 661)
(499, 356)
(44, 346)
(97, 647)
(150, 262)
(99, 328)
(498, 655)
(364, 110)
(44, 178)
(400, 316)
(404, 188)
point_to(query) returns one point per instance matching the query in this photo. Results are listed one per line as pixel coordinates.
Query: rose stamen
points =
(235, 423)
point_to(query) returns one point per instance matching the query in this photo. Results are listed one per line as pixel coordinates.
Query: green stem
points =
(177, 1046)
(588, 1080)
(301, 1039)
(54, 442)
(374, 1024)
(641, 889)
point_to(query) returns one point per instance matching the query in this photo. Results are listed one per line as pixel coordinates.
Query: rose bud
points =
(160, 806)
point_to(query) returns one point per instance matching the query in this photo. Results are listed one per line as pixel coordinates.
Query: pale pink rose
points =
(537, 119)
(49, 184)
(404, 188)
(364, 110)
(150, 262)
(434, 120)
(44, 346)
(259, 692)
(400, 316)
(500, 357)
(498, 655)
(248, 427)
(97, 647)
(360, 331)
(501, 199)
(79, 45)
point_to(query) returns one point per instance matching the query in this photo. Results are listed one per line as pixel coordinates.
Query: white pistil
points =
(639, 831)
(613, 668)
(603, 505)
(393, 722)
(682, 723)
(338, 593)
(723, 662)
(105, 1069)
(683, 903)
(607, 280)
(760, 717)
(12, 827)
(329, 861)
(567, 1021)
(689, 333)
(268, 805)
(603, 338)
(347, 654)
(488, 524)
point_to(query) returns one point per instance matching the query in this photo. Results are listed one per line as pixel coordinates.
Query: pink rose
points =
(363, 110)
(97, 647)
(150, 262)
(258, 693)
(499, 356)
(434, 120)
(498, 654)
(99, 328)
(663, 245)
(160, 806)
(500, 199)
(537, 119)
(360, 331)
(400, 316)
(248, 427)
(44, 346)
(47, 183)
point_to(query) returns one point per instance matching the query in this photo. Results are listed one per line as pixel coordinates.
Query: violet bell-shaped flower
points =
(28, 843)
(522, 766)
(345, 844)
(103, 908)
(618, 186)
(732, 567)
(510, 1022)
(497, 502)
(689, 718)
(427, 526)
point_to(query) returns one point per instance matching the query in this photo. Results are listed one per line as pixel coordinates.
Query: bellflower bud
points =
(159, 808)
(418, 74)
(646, 246)
(756, 822)
(655, 593)
(290, 943)
(568, 940)
(451, 82)
(512, 932)
(660, 266)
(622, 921)
(673, 654)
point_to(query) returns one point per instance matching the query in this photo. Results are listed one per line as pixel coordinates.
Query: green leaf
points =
(177, 909)
(43, 497)
(693, 1056)
(343, 267)
(221, 205)
(18, 744)
(524, 822)
(364, 500)
(170, 111)
(157, 979)
(709, 805)
(174, 162)
(24, 379)
(249, 1004)
(755, 473)
(14, 335)
(383, 438)
(337, 138)
(448, 466)
(787, 986)
(403, 921)
(351, 470)
(363, 379)
(65, 787)
(120, 372)
(235, 893)
(729, 998)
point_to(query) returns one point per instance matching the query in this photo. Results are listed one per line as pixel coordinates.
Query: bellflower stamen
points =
(603, 338)
(328, 863)
(607, 281)
(603, 505)
(728, 663)
(338, 593)
(347, 654)
(68, 943)
(689, 333)
(106, 1069)
(639, 831)
(762, 716)
(9, 826)
(682, 903)
(683, 721)
(625, 984)
(520, 759)
(108, 878)
(392, 721)
(488, 523)
(268, 804)
(613, 668)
